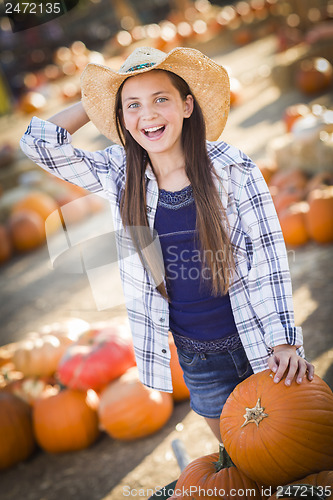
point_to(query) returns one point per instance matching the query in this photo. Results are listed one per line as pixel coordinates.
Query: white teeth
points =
(153, 129)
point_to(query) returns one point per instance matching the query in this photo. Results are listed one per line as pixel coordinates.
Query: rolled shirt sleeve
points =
(50, 147)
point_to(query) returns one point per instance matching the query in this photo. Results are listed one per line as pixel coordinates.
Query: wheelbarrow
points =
(302, 491)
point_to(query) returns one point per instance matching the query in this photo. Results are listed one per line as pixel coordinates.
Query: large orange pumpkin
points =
(319, 219)
(27, 230)
(322, 480)
(67, 421)
(214, 477)
(180, 390)
(129, 410)
(16, 432)
(276, 434)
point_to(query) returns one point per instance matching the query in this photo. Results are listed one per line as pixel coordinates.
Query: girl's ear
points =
(188, 106)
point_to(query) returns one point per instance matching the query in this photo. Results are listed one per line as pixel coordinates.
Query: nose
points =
(148, 112)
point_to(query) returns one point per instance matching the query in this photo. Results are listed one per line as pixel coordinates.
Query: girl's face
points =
(153, 112)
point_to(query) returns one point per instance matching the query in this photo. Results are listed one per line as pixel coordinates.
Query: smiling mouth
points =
(154, 132)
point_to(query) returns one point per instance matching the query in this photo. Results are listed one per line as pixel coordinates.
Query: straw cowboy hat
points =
(208, 81)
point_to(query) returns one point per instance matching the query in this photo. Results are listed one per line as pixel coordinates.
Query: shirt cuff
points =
(48, 132)
(291, 336)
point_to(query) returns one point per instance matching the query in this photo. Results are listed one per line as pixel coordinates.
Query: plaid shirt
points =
(261, 293)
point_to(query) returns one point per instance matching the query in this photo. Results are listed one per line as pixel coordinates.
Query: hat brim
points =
(208, 81)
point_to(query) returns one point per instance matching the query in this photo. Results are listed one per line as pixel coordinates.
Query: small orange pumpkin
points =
(27, 230)
(39, 354)
(277, 434)
(129, 410)
(180, 390)
(293, 224)
(36, 201)
(215, 476)
(319, 219)
(41, 203)
(66, 421)
(16, 432)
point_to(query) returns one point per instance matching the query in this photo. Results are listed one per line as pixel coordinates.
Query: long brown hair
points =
(211, 220)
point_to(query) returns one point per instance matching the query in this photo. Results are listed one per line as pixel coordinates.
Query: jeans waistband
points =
(207, 346)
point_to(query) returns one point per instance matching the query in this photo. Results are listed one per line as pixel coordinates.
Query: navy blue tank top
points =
(194, 311)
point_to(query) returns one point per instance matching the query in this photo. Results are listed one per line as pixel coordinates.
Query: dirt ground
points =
(33, 294)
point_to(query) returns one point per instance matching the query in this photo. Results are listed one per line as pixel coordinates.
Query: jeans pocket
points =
(240, 361)
(188, 358)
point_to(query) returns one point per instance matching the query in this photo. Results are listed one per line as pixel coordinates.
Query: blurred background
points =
(279, 56)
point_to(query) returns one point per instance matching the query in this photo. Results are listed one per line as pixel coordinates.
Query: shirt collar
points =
(221, 153)
(149, 172)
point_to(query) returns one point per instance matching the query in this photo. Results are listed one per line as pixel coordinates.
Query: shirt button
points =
(148, 210)
(164, 351)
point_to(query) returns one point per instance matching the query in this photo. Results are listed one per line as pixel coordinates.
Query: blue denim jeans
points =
(212, 377)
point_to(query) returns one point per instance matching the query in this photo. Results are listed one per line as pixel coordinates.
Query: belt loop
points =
(203, 356)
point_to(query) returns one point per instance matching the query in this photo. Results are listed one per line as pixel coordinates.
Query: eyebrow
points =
(154, 94)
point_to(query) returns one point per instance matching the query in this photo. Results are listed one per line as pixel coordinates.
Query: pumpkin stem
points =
(255, 414)
(224, 461)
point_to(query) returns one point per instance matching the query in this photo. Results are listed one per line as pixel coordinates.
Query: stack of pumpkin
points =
(63, 385)
(275, 437)
(300, 177)
(304, 204)
(30, 213)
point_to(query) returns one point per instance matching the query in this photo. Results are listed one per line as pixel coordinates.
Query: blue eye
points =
(133, 105)
(161, 99)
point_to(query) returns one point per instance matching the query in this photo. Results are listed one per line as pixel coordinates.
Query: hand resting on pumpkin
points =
(286, 360)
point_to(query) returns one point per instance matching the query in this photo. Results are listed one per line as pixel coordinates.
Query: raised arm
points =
(71, 118)
(48, 143)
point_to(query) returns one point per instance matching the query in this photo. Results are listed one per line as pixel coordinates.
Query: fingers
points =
(293, 369)
(292, 366)
(272, 363)
(282, 368)
(310, 370)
